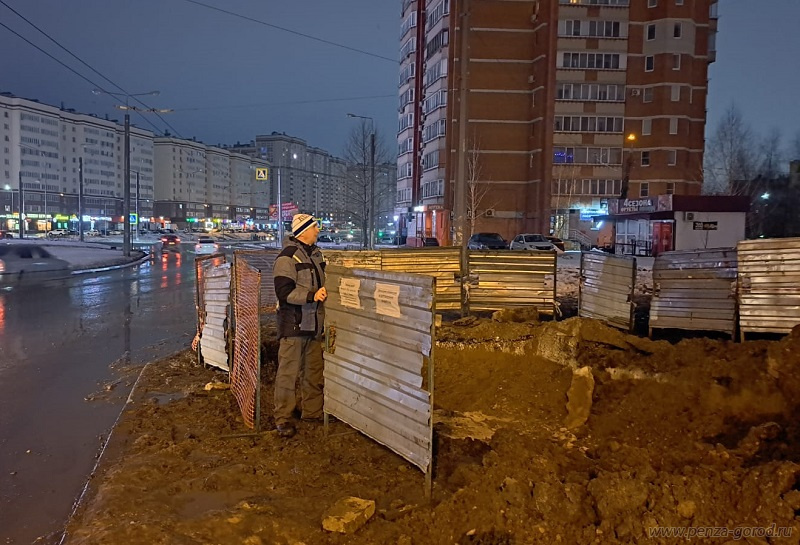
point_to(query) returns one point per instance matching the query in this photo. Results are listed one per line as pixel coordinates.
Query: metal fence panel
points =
(246, 360)
(201, 266)
(769, 285)
(442, 263)
(214, 335)
(511, 278)
(264, 261)
(606, 288)
(695, 290)
(379, 328)
(354, 259)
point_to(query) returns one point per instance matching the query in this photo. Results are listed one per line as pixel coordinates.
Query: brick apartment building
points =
(567, 103)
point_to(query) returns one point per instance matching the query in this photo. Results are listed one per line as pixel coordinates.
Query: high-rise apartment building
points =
(559, 105)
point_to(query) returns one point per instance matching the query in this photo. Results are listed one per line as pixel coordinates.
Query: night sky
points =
(229, 79)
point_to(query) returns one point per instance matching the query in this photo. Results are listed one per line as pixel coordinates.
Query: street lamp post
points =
(371, 200)
(126, 204)
(627, 162)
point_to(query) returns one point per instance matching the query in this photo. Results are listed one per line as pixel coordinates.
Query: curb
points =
(139, 261)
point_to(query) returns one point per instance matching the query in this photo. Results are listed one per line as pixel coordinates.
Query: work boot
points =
(286, 429)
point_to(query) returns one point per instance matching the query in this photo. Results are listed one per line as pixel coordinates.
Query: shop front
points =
(649, 226)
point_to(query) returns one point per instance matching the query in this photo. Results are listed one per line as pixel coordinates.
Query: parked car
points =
(558, 243)
(24, 263)
(57, 233)
(325, 238)
(6, 234)
(92, 233)
(531, 241)
(486, 241)
(170, 243)
(116, 232)
(205, 245)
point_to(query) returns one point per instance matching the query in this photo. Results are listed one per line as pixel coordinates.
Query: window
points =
(644, 189)
(678, 2)
(670, 188)
(676, 61)
(673, 125)
(652, 3)
(676, 30)
(672, 157)
(676, 93)
(649, 63)
(647, 94)
(651, 32)
(645, 158)
(647, 126)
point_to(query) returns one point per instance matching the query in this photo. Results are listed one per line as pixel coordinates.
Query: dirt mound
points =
(693, 434)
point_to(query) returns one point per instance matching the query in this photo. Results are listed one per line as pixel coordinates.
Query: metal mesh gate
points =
(264, 261)
(246, 357)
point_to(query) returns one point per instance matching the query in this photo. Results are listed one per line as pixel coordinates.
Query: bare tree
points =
(732, 156)
(794, 147)
(359, 179)
(477, 189)
(770, 155)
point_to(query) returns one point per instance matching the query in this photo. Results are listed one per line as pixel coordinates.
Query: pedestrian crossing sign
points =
(262, 174)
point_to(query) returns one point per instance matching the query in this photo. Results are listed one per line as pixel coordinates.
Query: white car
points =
(27, 263)
(57, 233)
(206, 245)
(92, 233)
(531, 241)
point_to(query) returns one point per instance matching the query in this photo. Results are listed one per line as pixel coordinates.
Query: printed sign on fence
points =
(387, 299)
(348, 290)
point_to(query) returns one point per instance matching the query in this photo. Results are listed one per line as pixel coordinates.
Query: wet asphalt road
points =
(58, 342)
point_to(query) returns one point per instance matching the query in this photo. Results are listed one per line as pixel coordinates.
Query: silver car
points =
(531, 241)
(29, 263)
(206, 245)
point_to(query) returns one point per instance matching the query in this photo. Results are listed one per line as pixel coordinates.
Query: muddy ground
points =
(694, 433)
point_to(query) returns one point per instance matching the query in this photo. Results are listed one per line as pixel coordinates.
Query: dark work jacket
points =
(298, 273)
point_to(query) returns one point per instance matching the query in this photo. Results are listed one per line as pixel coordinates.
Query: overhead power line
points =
(290, 31)
(87, 65)
(315, 101)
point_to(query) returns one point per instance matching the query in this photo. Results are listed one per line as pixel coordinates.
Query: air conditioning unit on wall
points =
(489, 213)
(688, 216)
(636, 92)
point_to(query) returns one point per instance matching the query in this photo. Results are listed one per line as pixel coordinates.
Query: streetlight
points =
(371, 203)
(126, 204)
(626, 166)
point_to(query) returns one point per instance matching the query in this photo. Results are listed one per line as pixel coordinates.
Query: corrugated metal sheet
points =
(376, 354)
(442, 263)
(511, 278)
(769, 285)
(264, 261)
(213, 338)
(695, 290)
(354, 259)
(606, 288)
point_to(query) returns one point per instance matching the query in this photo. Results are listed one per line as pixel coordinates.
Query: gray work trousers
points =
(299, 356)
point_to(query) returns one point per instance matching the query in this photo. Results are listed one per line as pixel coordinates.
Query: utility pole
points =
(21, 204)
(80, 196)
(372, 189)
(126, 203)
(136, 225)
(459, 191)
(280, 212)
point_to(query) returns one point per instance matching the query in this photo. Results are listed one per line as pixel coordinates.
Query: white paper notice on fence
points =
(348, 292)
(387, 299)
